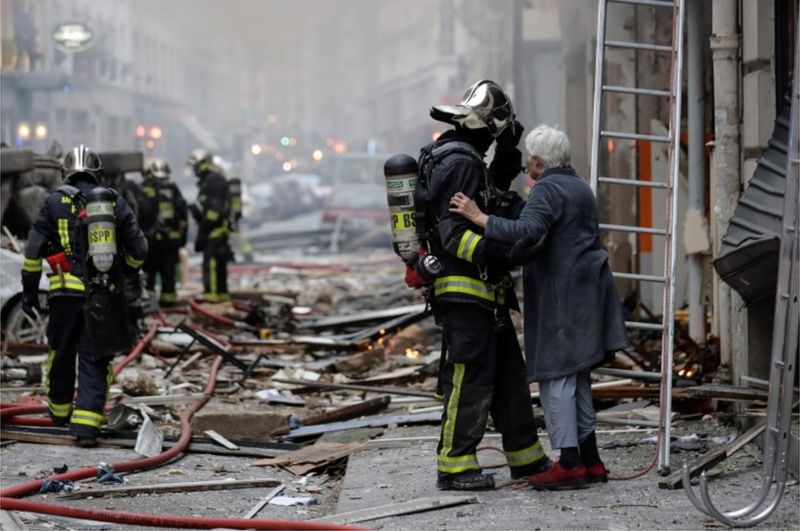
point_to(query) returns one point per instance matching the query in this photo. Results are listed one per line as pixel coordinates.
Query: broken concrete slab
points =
(251, 425)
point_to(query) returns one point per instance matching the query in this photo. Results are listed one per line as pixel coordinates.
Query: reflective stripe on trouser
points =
(66, 333)
(484, 374)
(215, 274)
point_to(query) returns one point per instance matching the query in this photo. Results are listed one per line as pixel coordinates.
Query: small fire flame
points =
(412, 353)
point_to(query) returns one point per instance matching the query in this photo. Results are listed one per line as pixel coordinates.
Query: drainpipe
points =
(697, 189)
(725, 177)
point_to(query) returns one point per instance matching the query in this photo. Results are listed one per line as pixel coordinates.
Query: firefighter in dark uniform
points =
(87, 234)
(482, 371)
(212, 213)
(164, 218)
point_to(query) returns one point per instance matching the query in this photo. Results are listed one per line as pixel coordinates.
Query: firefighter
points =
(164, 218)
(482, 371)
(87, 234)
(212, 214)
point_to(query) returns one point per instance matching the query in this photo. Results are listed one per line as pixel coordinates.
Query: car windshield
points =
(359, 197)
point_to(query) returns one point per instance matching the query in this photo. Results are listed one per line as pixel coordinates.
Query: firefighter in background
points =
(164, 218)
(243, 246)
(87, 234)
(212, 214)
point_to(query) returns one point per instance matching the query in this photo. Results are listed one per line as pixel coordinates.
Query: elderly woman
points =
(573, 316)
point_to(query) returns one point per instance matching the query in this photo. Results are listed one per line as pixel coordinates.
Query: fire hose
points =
(9, 501)
(221, 319)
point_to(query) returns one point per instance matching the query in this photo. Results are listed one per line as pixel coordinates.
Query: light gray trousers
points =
(568, 409)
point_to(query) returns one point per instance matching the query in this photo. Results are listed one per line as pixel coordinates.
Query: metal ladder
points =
(669, 187)
(784, 349)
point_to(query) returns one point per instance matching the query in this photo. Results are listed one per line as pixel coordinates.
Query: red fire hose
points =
(221, 319)
(8, 501)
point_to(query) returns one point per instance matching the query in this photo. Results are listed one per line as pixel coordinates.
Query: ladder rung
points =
(639, 46)
(644, 326)
(631, 182)
(635, 136)
(635, 90)
(629, 228)
(644, 278)
(654, 3)
(628, 373)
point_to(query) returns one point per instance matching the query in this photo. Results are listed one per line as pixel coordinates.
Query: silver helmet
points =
(81, 160)
(157, 168)
(484, 104)
(199, 160)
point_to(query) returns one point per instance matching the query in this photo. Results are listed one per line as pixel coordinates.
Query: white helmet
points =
(81, 160)
(484, 104)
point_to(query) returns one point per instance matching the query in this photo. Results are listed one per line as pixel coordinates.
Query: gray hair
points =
(550, 145)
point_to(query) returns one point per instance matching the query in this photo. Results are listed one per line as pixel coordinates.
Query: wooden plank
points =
(395, 509)
(161, 400)
(161, 488)
(318, 453)
(221, 440)
(726, 392)
(352, 387)
(367, 407)
(711, 459)
(264, 501)
(10, 521)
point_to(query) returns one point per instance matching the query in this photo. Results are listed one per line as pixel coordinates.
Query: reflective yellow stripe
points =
(150, 192)
(63, 234)
(525, 456)
(168, 297)
(454, 465)
(48, 368)
(218, 232)
(109, 378)
(59, 410)
(32, 265)
(212, 215)
(70, 282)
(87, 418)
(133, 262)
(445, 462)
(166, 209)
(466, 247)
(463, 285)
(174, 235)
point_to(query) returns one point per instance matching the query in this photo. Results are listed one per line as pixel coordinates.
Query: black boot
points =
(470, 480)
(86, 438)
(537, 467)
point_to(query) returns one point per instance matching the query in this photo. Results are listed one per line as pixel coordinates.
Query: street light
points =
(40, 131)
(255, 149)
(24, 131)
(155, 132)
(317, 155)
(140, 132)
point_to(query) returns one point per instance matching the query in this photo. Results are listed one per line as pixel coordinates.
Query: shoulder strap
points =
(454, 146)
(70, 191)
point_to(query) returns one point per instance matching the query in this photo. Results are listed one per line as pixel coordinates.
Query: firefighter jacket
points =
(214, 201)
(475, 269)
(163, 213)
(58, 228)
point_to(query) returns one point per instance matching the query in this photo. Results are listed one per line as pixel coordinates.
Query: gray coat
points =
(573, 316)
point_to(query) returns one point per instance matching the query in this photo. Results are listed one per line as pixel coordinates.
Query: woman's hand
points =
(461, 204)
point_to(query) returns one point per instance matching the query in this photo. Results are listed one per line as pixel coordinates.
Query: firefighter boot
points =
(469, 480)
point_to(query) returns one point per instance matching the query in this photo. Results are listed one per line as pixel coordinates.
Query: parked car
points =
(16, 326)
(357, 207)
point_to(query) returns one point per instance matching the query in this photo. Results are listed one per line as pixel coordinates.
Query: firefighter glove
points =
(510, 136)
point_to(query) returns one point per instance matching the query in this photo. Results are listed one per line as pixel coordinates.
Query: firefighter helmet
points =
(484, 104)
(199, 160)
(81, 160)
(157, 168)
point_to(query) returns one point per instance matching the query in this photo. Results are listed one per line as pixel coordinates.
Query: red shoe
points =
(597, 473)
(558, 478)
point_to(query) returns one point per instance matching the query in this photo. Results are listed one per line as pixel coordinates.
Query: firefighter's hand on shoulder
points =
(30, 305)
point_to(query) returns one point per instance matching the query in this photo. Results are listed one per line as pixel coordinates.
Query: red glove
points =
(413, 279)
